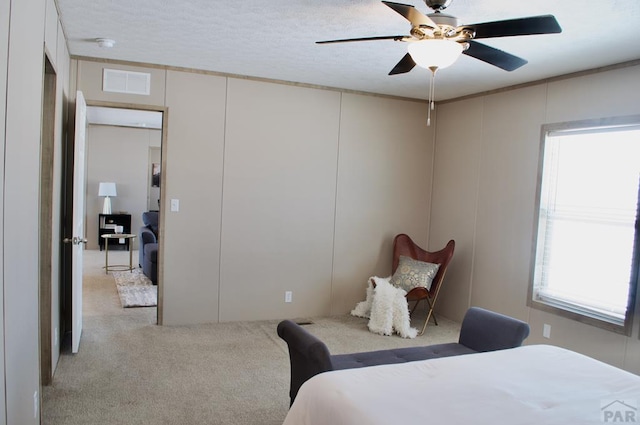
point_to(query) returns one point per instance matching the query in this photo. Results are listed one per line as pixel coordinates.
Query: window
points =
(586, 265)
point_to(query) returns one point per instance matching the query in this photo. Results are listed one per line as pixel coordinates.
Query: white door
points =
(78, 238)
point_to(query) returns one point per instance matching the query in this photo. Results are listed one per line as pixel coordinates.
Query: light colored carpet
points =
(131, 371)
(135, 289)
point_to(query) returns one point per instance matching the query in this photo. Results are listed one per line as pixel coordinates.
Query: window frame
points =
(568, 310)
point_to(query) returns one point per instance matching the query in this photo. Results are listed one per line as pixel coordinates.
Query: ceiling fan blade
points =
(494, 56)
(543, 24)
(381, 37)
(411, 14)
(406, 64)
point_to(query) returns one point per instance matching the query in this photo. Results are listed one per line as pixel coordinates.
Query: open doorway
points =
(124, 153)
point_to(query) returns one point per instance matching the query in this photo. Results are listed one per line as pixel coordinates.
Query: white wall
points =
(485, 175)
(120, 155)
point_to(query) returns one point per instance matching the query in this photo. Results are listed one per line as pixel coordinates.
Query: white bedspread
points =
(533, 385)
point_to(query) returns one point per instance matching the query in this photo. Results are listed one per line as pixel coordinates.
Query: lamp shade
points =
(436, 53)
(107, 189)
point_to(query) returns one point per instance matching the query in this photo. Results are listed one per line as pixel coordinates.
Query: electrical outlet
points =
(288, 296)
(546, 331)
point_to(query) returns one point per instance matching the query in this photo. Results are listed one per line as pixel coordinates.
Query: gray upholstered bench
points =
(482, 330)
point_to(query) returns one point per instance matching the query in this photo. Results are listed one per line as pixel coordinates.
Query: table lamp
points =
(107, 189)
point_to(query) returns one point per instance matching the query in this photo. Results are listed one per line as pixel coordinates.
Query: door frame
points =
(163, 176)
(46, 196)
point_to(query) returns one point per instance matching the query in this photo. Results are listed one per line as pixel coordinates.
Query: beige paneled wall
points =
(384, 186)
(281, 152)
(192, 173)
(506, 185)
(613, 93)
(90, 83)
(497, 138)
(281, 188)
(595, 342)
(632, 353)
(454, 201)
(51, 29)
(20, 206)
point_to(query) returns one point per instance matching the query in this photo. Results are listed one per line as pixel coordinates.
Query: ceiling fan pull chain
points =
(432, 93)
(433, 89)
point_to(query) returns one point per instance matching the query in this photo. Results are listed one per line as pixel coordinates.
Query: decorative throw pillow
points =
(413, 273)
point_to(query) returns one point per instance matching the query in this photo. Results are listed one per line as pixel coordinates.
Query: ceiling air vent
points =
(117, 81)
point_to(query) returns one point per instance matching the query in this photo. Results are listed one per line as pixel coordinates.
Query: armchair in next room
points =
(148, 249)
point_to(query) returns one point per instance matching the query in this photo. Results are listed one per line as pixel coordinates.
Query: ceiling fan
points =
(437, 40)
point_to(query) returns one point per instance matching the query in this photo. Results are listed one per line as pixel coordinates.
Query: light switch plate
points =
(175, 205)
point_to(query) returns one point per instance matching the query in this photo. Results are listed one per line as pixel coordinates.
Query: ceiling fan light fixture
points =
(436, 53)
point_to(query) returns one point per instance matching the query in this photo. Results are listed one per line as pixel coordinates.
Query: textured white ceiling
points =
(275, 40)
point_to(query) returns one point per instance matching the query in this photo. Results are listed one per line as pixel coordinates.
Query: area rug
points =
(135, 289)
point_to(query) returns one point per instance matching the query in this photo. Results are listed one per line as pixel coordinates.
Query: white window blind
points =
(587, 221)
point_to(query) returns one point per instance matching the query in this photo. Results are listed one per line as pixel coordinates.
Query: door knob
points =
(75, 240)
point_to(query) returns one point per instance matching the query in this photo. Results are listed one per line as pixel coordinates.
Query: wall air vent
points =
(117, 81)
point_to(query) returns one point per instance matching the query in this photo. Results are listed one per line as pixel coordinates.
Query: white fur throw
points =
(386, 308)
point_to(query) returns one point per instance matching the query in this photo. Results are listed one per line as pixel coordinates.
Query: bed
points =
(536, 384)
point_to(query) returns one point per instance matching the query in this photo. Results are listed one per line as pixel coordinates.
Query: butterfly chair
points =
(404, 246)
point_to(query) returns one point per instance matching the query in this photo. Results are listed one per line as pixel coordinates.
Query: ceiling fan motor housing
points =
(447, 27)
(443, 19)
(438, 5)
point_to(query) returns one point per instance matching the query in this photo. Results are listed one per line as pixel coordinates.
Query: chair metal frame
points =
(403, 245)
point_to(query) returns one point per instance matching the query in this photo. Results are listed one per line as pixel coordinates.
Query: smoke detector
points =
(105, 43)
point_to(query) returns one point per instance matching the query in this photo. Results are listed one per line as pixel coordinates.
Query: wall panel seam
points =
(2, 270)
(433, 175)
(335, 206)
(477, 203)
(224, 148)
